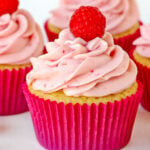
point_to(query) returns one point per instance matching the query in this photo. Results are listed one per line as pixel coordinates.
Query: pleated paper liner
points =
(126, 41)
(83, 127)
(12, 100)
(144, 77)
(50, 35)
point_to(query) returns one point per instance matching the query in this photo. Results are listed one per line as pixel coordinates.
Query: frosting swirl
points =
(143, 43)
(79, 68)
(20, 38)
(121, 14)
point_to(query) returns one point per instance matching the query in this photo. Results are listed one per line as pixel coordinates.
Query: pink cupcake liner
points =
(83, 127)
(12, 100)
(126, 41)
(51, 35)
(44, 50)
(144, 77)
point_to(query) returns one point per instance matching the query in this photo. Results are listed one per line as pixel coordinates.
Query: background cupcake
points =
(83, 93)
(20, 39)
(122, 19)
(141, 55)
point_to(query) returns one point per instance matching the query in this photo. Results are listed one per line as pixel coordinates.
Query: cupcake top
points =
(81, 64)
(143, 43)
(20, 36)
(121, 14)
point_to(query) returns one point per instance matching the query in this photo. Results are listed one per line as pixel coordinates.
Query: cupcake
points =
(141, 55)
(122, 19)
(20, 39)
(83, 94)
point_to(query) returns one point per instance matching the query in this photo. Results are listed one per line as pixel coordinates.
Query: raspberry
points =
(87, 23)
(8, 6)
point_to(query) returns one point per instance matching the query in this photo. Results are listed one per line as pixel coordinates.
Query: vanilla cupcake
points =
(141, 55)
(83, 94)
(122, 19)
(20, 39)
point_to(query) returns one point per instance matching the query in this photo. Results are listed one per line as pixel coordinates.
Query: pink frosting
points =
(20, 38)
(79, 68)
(143, 43)
(121, 14)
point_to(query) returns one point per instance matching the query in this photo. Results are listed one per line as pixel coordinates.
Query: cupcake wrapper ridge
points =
(144, 77)
(12, 100)
(83, 127)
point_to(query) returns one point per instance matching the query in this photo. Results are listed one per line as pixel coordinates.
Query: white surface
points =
(16, 132)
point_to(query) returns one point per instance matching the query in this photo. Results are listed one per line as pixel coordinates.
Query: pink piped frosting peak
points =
(79, 68)
(20, 38)
(143, 43)
(121, 14)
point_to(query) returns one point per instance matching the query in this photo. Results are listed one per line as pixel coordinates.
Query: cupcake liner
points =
(12, 100)
(126, 41)
(83, 127)
(144, 77)
(51, 35)
(44, 50)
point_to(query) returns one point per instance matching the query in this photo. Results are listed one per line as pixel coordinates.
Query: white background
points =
(16, 132)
